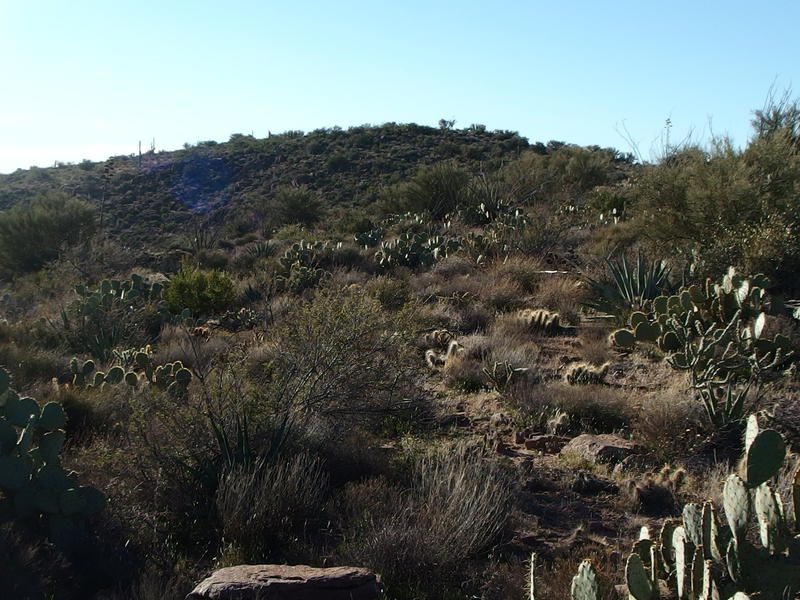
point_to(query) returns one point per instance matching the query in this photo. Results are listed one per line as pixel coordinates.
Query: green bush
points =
(32, 234)
(200, 291)
(342, 358)
(436, 190)
(721, 206)
(293, 205)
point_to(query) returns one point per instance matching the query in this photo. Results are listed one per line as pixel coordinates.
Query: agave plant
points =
(631, 288)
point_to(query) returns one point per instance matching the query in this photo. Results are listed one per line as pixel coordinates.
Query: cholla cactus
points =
(541, 320)
(584, 373)
(437, 360)
(439, 338)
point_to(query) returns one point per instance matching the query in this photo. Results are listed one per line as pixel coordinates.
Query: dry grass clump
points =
(588, 408)
(668, 422)
(594, 347)
(28, 365)
(264, 507)
(495, 291)
(462, 318)
(453, 266)
(420, 539)
(560, 293)
(555, 580)
(152, 586)
(196, 352)
(392, 293)
(523, 270)
(464, 373)
(520, 351)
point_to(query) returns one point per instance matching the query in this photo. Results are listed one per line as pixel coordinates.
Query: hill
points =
(158, 193)
(425, 352)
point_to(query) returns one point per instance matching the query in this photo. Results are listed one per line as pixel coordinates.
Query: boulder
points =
(288, 582)
(603, 448)
(548, 444)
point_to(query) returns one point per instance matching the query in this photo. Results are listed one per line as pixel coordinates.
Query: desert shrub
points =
(292, 205)
(669, 423)
(264, 507)
(436, 190)
(420, 538)
(340, 355)
(202, 292)
(744, 198)
(32, 234)
(558, 176)
(391, 292)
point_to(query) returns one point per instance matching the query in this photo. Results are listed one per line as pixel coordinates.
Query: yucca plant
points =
(631, 287)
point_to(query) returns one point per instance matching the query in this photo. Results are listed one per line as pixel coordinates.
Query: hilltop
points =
(156, 194)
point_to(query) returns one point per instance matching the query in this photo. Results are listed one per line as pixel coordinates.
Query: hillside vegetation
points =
(429, 352)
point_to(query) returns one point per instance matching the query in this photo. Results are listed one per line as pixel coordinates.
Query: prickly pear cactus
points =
(584, 584)
(33, 483)
(705, 557)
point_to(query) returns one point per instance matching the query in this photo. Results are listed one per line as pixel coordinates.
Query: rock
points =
(637, 463)
(603, 448)
(286, 582)
(520, 435)
(458, 419)
(590, 484)
(548, 444)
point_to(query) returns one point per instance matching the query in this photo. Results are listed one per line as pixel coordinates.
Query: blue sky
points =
(88, 79)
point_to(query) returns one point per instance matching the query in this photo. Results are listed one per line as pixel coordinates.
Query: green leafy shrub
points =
(32, 234)
(202, 292)
(436, 190)
(341, 357)
(293, 205)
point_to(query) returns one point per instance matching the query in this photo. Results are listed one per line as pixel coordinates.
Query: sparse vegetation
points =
(426, 351)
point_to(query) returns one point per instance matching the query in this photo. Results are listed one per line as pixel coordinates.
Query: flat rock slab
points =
(285, 582)
(603, 448)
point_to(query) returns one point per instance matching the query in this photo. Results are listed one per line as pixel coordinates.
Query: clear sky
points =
(89, 79)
